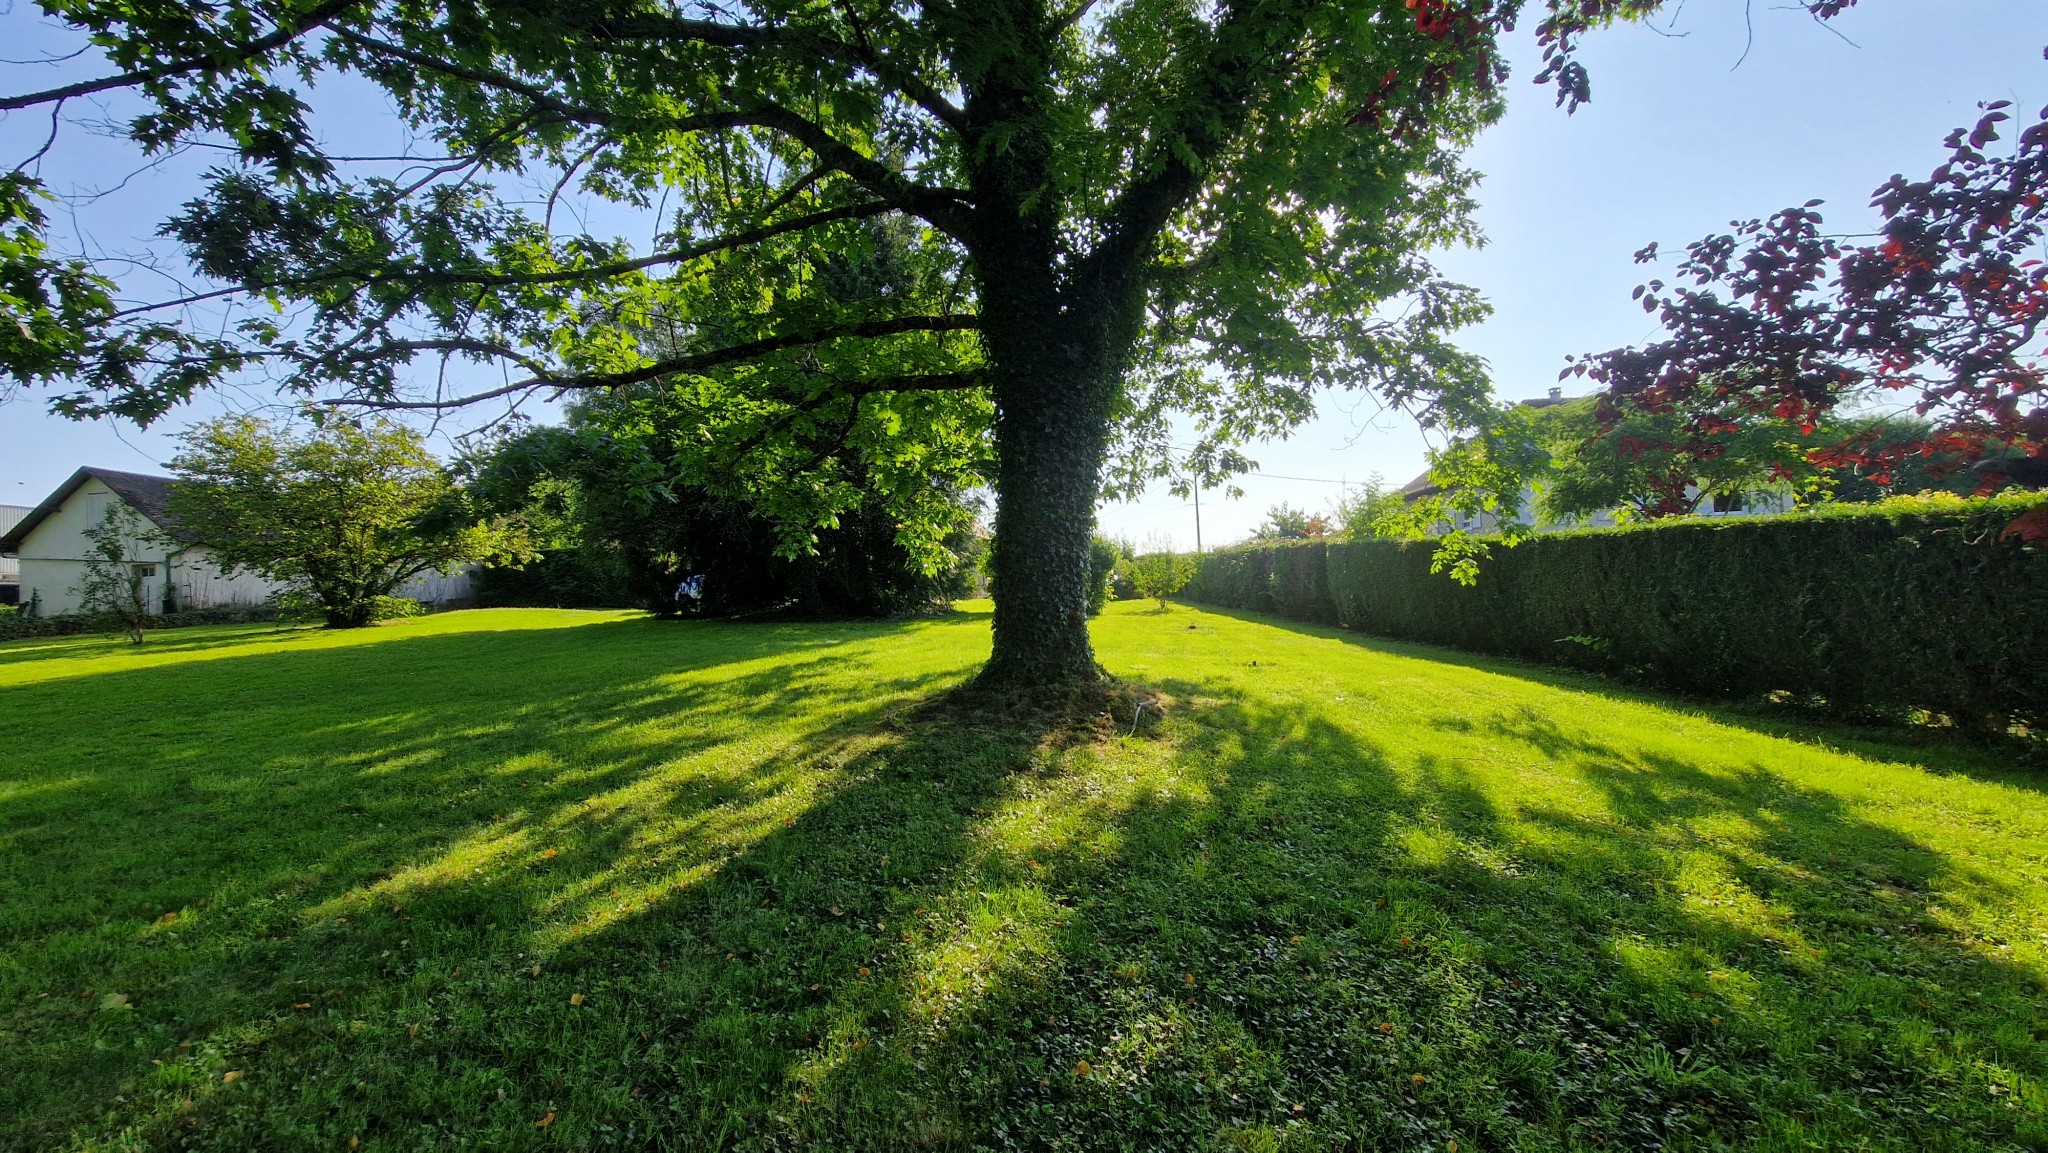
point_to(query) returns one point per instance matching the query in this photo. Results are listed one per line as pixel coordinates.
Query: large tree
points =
(1129, 213)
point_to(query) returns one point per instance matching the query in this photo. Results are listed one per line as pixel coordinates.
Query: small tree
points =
(116, 575)
(1159, 575)
(344, 512)
(1375, 511)
(1285, 522)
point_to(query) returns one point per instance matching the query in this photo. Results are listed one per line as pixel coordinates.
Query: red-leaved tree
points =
(1943, 308)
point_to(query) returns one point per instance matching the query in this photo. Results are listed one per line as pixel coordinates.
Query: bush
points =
(395, 608)
(1104, 555)
(1912, 603)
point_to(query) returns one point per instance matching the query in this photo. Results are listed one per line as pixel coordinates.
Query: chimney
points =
(1557, 394)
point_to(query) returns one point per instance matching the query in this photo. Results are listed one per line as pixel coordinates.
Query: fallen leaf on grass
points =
(231, 1076)
(575, 998)
(302, 1004)
(114, 1001)
(1083, 1068)
(547, 854)
(546, 1119)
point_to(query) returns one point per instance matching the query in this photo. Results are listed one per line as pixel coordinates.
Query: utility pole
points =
(1198, 516)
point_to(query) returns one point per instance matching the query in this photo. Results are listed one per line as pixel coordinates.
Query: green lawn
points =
(534, 879)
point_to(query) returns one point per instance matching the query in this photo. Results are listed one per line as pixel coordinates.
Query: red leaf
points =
(2031, 525)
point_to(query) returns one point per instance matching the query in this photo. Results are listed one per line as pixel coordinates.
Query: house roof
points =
(148, 495)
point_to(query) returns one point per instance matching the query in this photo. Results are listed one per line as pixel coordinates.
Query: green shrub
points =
(395, 608)
(1912, 603)
(1104, 555)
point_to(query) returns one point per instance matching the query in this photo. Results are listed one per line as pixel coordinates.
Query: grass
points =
(534, 879)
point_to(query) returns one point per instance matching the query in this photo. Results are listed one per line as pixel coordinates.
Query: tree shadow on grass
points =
(759, 897)
(258, 854)
(1942, 751)
(1294, 942)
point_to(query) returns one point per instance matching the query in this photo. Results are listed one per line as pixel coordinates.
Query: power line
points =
(1310, 479)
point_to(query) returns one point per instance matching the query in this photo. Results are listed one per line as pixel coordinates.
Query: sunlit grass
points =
(516, 879)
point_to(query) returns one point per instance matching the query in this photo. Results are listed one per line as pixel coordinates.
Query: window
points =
(1727, 502)
(144, 570)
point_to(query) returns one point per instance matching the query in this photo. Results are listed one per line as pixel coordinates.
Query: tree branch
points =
(510, 279)
(855, 390)
(697, 362)
(225, 60)
(942, 207)
(1212, 109)
(659, 27)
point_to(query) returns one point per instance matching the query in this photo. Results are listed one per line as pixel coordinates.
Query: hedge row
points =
(1913, 603)
(15, 626)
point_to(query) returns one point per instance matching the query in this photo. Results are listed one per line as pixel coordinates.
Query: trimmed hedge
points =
(1911, 603)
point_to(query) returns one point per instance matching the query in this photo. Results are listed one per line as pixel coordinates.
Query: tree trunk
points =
(347, 615)
(1051, 435)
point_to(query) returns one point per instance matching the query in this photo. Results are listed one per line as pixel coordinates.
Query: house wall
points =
(53, 557)
(1766, 503)
(53, 562)
(10, 515)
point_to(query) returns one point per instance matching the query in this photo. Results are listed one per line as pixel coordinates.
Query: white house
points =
(50, 546)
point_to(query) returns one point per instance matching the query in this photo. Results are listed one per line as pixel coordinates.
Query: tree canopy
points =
(1120, 215)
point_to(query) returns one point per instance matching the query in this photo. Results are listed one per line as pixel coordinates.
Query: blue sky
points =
(1718, 117)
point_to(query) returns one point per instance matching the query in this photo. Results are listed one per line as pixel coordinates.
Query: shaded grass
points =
(516, 879)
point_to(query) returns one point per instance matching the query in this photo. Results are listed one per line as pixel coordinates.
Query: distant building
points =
(10, 569)
(48, 548)
(1721, 505)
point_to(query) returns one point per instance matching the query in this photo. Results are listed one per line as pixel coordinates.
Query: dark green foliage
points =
(1288, 579)
(1103, 556)
(610, 540)
(1906, 604)
(572, 576)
